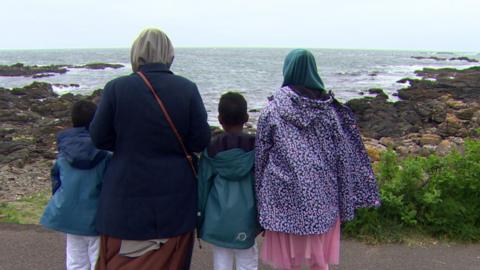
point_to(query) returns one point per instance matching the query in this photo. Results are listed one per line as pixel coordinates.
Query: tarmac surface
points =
(30, 247)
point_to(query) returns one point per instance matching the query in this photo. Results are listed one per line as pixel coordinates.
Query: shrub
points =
(437, 196)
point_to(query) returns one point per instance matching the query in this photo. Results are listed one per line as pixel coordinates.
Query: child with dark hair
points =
(232, 110)
(227, 209)
(82, 113)
(76, 182)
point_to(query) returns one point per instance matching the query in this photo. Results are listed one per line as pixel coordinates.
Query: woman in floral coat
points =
(312, 170)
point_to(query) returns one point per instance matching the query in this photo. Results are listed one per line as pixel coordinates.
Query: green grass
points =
(27, 210)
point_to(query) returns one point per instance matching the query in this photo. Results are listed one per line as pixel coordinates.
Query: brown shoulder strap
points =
(188, 156)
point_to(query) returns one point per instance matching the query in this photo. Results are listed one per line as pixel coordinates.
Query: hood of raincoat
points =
(233, 164)
(298, 110)
(76, 147)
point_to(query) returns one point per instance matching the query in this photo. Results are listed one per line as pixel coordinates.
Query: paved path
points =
(29, 247)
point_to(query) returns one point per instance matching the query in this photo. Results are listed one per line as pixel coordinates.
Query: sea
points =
(254, 72)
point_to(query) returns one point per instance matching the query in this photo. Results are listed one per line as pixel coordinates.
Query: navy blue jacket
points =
(149, 190)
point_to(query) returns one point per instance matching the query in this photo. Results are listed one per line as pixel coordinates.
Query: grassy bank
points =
(24, 211)
(423, 199)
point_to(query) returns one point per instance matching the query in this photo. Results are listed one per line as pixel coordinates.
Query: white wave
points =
(61, 89)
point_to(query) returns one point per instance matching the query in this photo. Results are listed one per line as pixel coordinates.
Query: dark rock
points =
(17, 116)
(36, 90)
(49, 155)
(404, 80)
(6, 131)
(43, 75)
(445, 147)
(8, 147)
(430, 139)
(55, 108)
(436, 58)
(359, 105)
(62, 85)
(96, 96)
(378, 118)
(436, 73)
(20, 157)
(69, 97)
(381, 96)
(463, 58)
(410, 117)
(30, 118)
(418, 89)
(466, 114)
(100, 66)
(7, 100)
(35, 71)
(375, 91)
(432, 110)
(254, 110)
(453, 126)
(443, 101)
(460, 84)
(20, 69)
(378, 92)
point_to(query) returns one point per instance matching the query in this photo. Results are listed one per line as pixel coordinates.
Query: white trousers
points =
(82, 252)
(245, 259)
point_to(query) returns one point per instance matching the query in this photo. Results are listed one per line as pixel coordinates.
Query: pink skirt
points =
(289, 251)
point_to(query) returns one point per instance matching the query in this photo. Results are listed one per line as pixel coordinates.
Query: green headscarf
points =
(300, 69)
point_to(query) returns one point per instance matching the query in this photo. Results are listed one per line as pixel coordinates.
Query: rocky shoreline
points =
(436, 58)
(30, 118)
(434, 114)
(19, 69)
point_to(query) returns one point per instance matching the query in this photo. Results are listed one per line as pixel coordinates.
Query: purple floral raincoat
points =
(311, 165)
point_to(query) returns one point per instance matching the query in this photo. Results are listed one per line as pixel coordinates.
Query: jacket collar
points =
(155, 67)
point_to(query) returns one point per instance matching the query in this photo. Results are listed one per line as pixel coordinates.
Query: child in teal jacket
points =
(227, 210)
(76, 182)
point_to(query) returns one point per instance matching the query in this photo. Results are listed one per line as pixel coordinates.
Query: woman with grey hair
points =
(152, 120)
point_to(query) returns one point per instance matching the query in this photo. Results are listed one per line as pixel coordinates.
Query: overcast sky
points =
(368, 24)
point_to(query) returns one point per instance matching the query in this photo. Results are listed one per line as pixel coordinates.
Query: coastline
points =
(255, 72)
(435, 114)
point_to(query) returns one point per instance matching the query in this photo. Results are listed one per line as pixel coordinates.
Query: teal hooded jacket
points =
(227, 208)
(77, 178)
